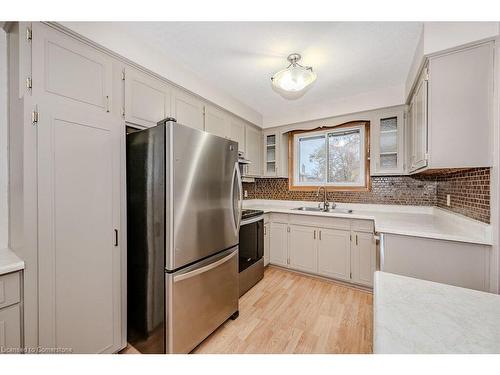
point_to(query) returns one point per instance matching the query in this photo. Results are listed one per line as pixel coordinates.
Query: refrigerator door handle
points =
(237, 211)
(188, 275)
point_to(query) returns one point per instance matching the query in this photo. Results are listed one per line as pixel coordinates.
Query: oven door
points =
(251, 247)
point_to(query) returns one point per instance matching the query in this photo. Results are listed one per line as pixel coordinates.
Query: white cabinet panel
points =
(253, 141)
(456, 263)
(363, 258)
(10, 289)
(267, 243)
(78, 212)
(10, 328)
(71, 69)
(279, 244)
(334, 253)
(216, 121)
(460, 108)
(187, 109)
(147, 99)
(303, 248)
(237, 132)
(418, 109)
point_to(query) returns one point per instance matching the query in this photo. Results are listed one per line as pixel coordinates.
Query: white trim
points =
(325, 132)
(4, 136)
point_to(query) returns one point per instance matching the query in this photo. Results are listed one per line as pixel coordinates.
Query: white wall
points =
(381, 98)
(4, 212)
(112, 37)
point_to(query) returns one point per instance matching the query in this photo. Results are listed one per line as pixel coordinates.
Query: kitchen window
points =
(336, 157)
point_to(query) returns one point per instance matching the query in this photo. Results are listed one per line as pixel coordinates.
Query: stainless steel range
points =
(251, 249)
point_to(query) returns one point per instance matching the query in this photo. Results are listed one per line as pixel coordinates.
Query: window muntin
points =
(332, 157)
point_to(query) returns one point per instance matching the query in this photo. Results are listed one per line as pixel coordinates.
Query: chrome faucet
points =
(326, 205)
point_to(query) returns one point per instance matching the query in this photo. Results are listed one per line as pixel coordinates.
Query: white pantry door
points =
(78, 151)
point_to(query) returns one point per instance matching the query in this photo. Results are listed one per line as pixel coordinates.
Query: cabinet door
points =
(363, 258)
(237, 132)
(419, 125)
(78, 197)
(147, 99)
(271, 154)
(389, 147)
(278, 253)
(267, 243)
(187, 109)
(10, 328)
(334, 253)
(252, 150)
(216, 121)
(303, 248)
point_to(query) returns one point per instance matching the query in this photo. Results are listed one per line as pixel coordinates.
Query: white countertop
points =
(419, 221)
(418, 316)
(9, 262)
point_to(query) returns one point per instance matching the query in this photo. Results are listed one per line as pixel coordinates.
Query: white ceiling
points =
(350, 58)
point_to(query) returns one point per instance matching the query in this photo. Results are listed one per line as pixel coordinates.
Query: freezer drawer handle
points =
(208, 267)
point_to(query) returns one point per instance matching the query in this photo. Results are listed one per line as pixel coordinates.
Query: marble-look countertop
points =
(418, 221)
(9, 262)
(418, 316)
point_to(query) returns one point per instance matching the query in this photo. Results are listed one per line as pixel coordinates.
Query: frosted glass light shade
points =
(293, 81)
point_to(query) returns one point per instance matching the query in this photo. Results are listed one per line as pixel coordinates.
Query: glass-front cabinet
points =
(270, 154)
(388, 148)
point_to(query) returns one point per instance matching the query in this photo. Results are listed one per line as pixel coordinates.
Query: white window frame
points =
(312, 134)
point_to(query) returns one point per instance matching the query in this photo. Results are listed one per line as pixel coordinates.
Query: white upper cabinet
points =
(147, 99)
(253, 141)
(69, 69)
(388, 148)
(187, 109)
(216, 121)
(271, 153)
(417, 114)
(460, 108)
(450, 111)
(237, 132)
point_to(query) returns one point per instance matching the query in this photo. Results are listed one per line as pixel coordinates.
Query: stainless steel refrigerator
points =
(184, 209)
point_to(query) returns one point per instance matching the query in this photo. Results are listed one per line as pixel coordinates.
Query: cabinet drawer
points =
(279, 218)
(10, 328)
(362, 226)
(10, 290)
(319, 221)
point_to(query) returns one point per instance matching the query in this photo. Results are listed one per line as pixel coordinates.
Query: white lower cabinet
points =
(334, 254)
(267, 243)
(303, 248)
(279, 244)
(338, 253)
(362, 258)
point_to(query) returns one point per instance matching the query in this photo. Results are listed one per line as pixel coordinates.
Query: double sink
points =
(329, 210)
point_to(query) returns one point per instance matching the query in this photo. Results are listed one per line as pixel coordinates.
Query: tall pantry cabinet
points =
(75, 267)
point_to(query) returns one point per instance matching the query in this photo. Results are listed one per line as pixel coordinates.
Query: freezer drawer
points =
(199, 299)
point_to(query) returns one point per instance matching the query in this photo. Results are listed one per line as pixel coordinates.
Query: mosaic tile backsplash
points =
(469, 189)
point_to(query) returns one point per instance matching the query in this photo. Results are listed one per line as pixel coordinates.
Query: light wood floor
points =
(292, 313)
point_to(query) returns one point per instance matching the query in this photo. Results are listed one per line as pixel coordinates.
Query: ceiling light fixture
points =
(295, 80)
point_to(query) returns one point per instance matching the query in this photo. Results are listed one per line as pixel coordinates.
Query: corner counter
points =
(416, 316)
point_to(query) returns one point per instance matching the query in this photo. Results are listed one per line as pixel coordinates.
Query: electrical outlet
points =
(245, 194)
(448, 200)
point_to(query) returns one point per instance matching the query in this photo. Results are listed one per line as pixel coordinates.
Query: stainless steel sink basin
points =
(330, 210)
